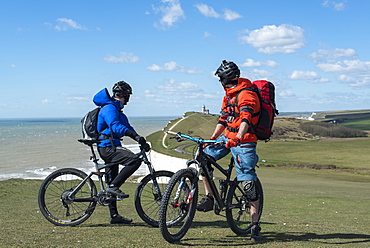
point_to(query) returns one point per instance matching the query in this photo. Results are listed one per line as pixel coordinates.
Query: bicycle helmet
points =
(122, 89)
(228, 72)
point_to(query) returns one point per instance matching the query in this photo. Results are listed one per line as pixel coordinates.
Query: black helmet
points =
(228, 72)
(121, 89)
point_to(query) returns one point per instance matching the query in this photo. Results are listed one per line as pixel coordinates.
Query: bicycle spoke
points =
(56, 203)
(178, 205)
(147, 197)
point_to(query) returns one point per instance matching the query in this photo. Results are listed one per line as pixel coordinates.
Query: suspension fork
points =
(154, 179)
(178, 192)
(189, 196)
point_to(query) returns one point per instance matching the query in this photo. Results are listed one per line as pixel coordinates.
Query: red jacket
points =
(248, 106)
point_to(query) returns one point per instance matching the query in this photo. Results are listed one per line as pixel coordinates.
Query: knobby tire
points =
(148, 199)
(175, 217)
(54, 204)
(238, 209)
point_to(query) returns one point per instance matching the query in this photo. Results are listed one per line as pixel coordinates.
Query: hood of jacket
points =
(103, 98)
(242, 83)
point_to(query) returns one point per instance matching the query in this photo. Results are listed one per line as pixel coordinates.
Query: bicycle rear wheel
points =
(238, 208)
(178, 205)
(58, 206)
(148, 197)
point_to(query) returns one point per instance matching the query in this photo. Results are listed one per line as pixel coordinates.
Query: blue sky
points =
(55, 55)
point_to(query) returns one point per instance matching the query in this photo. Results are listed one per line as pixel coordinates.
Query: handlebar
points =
(182, 137)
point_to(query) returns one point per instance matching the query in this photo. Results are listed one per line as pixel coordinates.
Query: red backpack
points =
(266, 94)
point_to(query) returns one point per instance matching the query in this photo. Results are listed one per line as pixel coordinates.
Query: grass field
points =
(360, 124)
(303, 208)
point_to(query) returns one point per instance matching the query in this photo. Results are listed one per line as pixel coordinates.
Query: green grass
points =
(359, 124)
(303, 208)
(342, 153)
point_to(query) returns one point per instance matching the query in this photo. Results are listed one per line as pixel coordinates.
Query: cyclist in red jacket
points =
(239, 113)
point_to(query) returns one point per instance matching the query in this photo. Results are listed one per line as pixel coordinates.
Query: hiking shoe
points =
(117, 192)
(118, 219)
(206, 204)
(256, 233)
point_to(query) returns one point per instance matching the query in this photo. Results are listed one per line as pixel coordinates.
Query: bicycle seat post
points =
(93, 157)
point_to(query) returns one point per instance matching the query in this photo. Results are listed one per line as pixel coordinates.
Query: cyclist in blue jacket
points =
(113, 124)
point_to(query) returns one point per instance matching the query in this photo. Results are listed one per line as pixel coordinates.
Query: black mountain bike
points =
(68, 196)
(181, 195)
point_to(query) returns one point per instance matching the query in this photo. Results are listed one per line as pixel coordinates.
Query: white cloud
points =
(171, 12)
(336, 5)
(320, 80)
(346, 79)
(173, 66)
(333, 54)
(230, 15)
(304, 75)
(208, 11)
(347, 66)
(275, 39)
(171, 90)
(122, 57)
(286, 94)
(357, 82)
(257, 74)
(311, 76)
(253, 63)
(65, 24)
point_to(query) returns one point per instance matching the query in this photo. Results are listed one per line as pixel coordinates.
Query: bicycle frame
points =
(181, 195)
(200, 159)
(99, 167)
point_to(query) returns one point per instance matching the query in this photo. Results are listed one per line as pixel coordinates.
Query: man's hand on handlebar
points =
(145, 147)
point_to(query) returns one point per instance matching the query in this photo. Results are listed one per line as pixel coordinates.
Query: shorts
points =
(245, 158)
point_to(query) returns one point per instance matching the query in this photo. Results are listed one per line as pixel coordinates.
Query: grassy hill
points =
(290, 146)
(356, 119)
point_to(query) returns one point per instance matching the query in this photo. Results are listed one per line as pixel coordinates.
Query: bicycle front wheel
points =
(149, 194)
(238, 208)
(58, 205)
(178, 205)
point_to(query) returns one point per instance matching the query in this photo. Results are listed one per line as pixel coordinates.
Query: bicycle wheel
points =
(178, 205)
(238, 208)
(58, 206)
(148, 198)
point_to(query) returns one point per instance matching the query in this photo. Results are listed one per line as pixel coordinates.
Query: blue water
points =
(32, 148)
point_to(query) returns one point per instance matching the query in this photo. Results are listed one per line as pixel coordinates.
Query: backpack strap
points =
(110, 137)
(251, 128)
(246, 108)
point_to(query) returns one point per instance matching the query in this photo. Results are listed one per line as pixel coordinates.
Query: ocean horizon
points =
(31, 148)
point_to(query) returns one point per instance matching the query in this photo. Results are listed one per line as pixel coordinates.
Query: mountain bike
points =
(181, 195)
(68, 196)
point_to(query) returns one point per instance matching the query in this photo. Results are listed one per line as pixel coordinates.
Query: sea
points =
(33, 148)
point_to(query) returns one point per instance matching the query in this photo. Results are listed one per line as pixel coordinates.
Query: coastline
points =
(159, 161)
(33, 148)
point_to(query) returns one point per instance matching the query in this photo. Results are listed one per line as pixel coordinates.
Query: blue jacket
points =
(111, 118)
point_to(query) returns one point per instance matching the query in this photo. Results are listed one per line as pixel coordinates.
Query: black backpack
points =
(89, 125)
